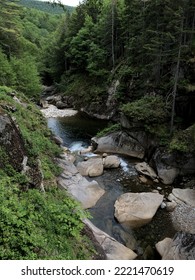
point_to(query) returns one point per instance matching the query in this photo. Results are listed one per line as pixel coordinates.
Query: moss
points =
(111, 128)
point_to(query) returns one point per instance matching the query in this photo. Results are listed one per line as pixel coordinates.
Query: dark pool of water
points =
(78, 129)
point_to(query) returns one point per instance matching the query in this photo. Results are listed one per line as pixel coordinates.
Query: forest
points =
(46, 6)
(144, 49)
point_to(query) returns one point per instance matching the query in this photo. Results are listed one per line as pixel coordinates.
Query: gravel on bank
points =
(53, 112)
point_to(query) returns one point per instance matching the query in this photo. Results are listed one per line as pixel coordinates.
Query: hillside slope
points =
(45, 6)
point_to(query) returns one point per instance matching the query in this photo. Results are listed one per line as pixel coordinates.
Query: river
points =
(76, 132)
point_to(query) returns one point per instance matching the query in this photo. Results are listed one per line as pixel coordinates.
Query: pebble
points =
(163, 205)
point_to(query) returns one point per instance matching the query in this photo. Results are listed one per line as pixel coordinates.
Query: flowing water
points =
(76, 132)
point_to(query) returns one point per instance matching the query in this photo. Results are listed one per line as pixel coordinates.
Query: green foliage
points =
(184, 140)
(23, 33)
(9, 27)
(84, 88)
(111, 128)
(35, 133)
(46, 6)
(138, 35)
(7, 76)
(38, 225)
(147, 110)
(27, 76)
(160, 131)
(33, 224)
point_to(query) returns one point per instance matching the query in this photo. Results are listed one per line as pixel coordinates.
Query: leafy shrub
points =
(7, 76)
(148, 110)
(27, 76)
(109, 129)
(37, 225)
(184, 141)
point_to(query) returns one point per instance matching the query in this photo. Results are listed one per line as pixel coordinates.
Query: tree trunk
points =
(113, 33)
(176, 78)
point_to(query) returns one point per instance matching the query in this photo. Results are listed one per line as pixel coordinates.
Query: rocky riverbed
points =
(79, 181)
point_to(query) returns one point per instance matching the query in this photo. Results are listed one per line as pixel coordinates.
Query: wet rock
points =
(137, 209)
(112, 248)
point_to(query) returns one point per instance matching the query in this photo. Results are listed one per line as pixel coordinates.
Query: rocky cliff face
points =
(11, 143)
(14, 154)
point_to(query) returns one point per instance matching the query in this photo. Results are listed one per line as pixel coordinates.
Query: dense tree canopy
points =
(23, 32)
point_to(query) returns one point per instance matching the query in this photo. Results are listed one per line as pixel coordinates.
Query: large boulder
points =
(92, 167)
(182, 247)
(170, 165)
(111, 162)
(137, 209)
(183, 195)
(183, 216)
(166, 170)
(87, 193)
(112, 248)
(95, 166)
(120, 143)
